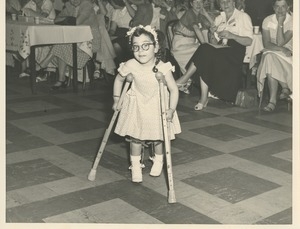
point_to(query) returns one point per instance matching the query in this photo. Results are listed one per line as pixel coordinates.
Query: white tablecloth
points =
(255, 48)
(20, 36)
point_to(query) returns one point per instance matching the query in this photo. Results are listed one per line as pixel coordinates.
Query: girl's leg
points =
(188, 74)
(157, 160)
(204, 96)
(135, 158)
(273, 86)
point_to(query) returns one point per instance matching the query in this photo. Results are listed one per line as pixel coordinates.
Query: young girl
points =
(140, 117)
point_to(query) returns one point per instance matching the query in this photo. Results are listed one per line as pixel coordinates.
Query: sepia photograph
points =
(150, 114)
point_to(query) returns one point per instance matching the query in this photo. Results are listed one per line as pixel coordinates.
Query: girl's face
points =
(144, 49)
(197, 5)
(281, 8)
(227, 5)
(75, 2)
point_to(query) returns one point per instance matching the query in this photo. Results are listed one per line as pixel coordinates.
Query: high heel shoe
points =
(200, 106)
(60, 84)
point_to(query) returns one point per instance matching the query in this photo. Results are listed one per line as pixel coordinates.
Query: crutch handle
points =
(129, 78)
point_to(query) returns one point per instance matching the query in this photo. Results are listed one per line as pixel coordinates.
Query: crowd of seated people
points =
(217, 64)
(204, 28)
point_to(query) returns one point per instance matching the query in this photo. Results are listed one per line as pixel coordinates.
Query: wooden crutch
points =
(166, 130)
(92, 174)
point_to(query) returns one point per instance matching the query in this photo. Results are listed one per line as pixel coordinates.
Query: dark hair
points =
(118, 2)
(288, 2)
(139, 31)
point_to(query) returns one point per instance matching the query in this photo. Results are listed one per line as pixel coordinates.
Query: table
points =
(24, 37)
(255, 48)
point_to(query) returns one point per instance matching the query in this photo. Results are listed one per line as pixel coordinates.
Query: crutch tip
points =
(171, 198)
(92, 175)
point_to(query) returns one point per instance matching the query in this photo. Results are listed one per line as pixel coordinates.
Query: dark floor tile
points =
(74, 125)
(253, 118)
(230, 184)
(33, 172)
(136, 195)
(191, 152)
(223, 132)
(263, 154)
(62, 104)
(22, 140)
(281, 218)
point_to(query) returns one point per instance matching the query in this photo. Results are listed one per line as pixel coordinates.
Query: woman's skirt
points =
(65, 53)
(277, 66)
(220, 68)
(183, 49)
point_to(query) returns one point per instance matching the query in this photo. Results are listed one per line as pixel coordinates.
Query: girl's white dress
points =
(140, 116)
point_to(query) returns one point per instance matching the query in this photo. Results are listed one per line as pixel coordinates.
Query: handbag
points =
(246, 98)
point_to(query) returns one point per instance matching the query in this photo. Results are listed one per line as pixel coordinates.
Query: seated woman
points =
(106, 54)
(119, 26)
(39, 8)
(219, 66)
(188, 33)
(276, 62)
(61, 54)
(13, 6)
(45, 10)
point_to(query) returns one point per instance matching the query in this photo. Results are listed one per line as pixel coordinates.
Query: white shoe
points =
(136, 169)
(157, 165)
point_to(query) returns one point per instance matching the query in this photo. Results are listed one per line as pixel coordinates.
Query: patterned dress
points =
(140, 116)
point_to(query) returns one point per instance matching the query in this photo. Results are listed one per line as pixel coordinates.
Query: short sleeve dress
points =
(140, 116)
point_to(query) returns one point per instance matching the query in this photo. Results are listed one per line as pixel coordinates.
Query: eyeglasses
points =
(144, 47)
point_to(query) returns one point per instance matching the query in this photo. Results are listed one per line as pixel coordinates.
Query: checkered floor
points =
(230, 165)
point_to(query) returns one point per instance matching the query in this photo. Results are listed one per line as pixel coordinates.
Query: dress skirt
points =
(220, 68)
(183, 49)
(140, 116)
(277, 66)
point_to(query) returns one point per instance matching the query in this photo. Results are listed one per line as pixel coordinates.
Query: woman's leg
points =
(135, 158)
(44, 63)
(203, 97)
(285, 91)
(61, 74)
(273, 86)
(187, 75)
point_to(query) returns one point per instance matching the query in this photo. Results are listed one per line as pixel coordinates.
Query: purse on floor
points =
(247, 98)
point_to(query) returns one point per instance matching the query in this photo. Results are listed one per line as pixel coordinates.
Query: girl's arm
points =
(117, 90)
(174, 94)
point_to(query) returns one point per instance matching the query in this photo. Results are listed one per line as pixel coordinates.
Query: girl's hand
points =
(115, 106)
(169, 114)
